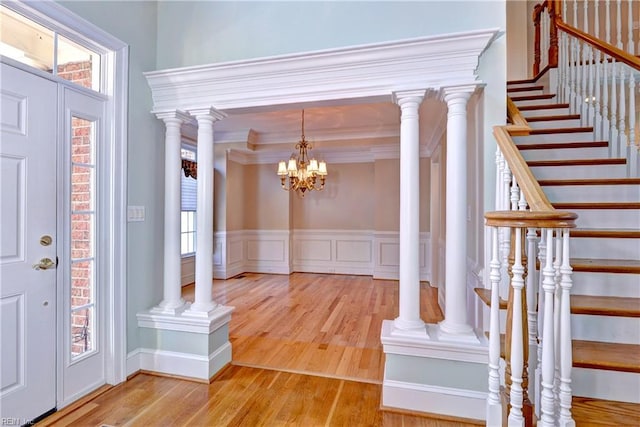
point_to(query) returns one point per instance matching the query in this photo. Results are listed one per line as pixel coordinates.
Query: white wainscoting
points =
(387, 255)
(188, 268)
(364, 252)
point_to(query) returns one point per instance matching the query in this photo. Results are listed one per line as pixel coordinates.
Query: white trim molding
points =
(368, 73)
(387, 255)
(181, 364)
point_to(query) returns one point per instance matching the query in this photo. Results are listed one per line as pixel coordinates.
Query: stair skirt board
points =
(609, 385)
(565, 153)
(621, 330)
(554, 137)
(580, 172)
(593, 193)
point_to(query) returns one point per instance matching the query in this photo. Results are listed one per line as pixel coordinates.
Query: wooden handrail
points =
(609, 49)
(528, 219)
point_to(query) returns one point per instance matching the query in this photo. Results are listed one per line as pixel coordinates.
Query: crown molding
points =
(366, 73)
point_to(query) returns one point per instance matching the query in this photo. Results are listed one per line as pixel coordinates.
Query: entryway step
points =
(521, 81)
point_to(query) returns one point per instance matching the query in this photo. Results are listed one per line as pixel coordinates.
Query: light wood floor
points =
(306, 352)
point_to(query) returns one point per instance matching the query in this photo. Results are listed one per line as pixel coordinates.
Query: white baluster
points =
(584, 100)
(622, 137)
(566, 357)
(542, 245)
(499, 171)
(606, 124)
(494, 402)
(607, 21)
(547, 402)
(515, 193)
(619, 25)
(532, 304)
(585, 16)
(630, 43)
(522, 203)
(632, 109)
(590, 98)
(557, 263)
(613, 124)
(517, 349)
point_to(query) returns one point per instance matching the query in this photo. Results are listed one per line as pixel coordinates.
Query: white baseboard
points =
(133, 362)
(180, 364)
(434, 399)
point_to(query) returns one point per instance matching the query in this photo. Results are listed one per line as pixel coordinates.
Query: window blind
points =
(189, 188)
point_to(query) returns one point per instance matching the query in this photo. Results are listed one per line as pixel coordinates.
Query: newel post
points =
(537, 10)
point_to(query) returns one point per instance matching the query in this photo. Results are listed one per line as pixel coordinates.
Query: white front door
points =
(29, 245)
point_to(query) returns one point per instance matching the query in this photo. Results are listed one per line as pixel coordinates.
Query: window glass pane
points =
(81, 236)
(82, 328)
(25, 41)
(81, 283)
(78, 64)
(82, 137)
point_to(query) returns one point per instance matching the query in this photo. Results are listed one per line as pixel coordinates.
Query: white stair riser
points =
(607, 218)
(605, 248)
(525, 92)
(625, 330)
(534, 101)
(592, 193)
(579, 172)
(606, 284)
(566, 153)
(554, 124)
(545, 112)
(608, 385)
(554, 137)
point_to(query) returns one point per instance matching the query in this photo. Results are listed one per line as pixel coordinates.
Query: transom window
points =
(33, 44)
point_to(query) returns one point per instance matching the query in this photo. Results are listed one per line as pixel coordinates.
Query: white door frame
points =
(114, 219)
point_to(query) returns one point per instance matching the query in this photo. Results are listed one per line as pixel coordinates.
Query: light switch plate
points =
(135, 213)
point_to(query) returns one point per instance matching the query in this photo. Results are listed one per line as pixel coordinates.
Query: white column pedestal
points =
(172, 302)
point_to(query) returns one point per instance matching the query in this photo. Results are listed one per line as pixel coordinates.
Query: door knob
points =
(45, 264)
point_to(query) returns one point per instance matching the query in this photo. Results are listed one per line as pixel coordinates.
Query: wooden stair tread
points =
(552, 118)
(605, 306)
(605, 265)
(586, 410)
(562, 145)
(541, 107)
(532, 97)
(547, 131)
(596, 205)
(524, 89)
(577, 162)
(600, 355)
(618, 233)
(607, 356)
(590, 181)
(521, 81)
(584, 304)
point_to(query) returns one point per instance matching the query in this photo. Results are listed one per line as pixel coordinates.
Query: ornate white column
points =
(409, 310)
(172, 302)
(455, 324)
(204, 303)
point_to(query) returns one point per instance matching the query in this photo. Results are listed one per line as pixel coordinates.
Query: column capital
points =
(209, 113)
(401, 97)
(172, 115)
(458, 92)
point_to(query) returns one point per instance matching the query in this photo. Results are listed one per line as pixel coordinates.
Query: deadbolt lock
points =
(46, 240)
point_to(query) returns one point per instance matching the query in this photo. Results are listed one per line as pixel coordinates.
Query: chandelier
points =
(303, 172)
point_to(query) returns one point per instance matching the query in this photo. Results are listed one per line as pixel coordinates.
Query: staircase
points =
(577, 174)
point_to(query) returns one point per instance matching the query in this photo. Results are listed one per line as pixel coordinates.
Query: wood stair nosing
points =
(629, 233)
(547, 131)
(524, 89)
(595, 265)
(541, 107)
(589, 181)
(585, 304)
(533, 97)
(577, 162)
(552, 118)
(562, 145)
(521, 81)
(599, 355)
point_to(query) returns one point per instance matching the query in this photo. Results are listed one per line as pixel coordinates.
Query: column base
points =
(171, 308)
(457, 333)
(409, 327)
(200, 310)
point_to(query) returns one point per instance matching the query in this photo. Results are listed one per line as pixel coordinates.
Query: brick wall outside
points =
(81, 223)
